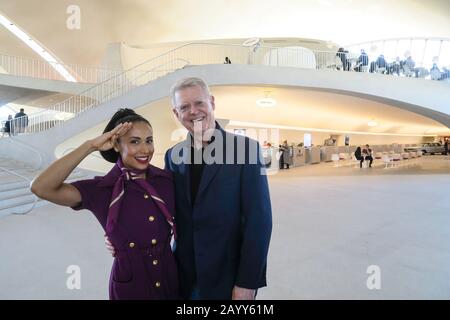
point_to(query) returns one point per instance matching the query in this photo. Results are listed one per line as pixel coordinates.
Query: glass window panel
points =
(431, 53)
(417, 51)
(390, 50)
(444, 58)
(307, 139)
(375, 49)
(404, 46)
(354, 49)
(366, 47)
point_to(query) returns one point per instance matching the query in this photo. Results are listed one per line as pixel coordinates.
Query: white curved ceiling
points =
(142, 22)
(306, 108)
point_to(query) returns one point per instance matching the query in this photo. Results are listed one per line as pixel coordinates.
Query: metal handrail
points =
(30, 67)
(86, 91)
(29, 181)
(397, 39)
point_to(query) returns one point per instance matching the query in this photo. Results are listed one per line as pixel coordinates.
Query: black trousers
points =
(361, 160)
(371, 160)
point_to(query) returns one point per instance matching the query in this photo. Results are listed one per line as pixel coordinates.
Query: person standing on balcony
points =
(342, 54)
(363, 62)
(381, 64)
(20, 121)
(435, 72)
(134, 203)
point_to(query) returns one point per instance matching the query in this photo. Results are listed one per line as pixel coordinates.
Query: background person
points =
(363, 62)
(287, 159)
(8, 124)
(223, 209)
(359, 156)
(20, 121)
(369, 155)
(134, 203)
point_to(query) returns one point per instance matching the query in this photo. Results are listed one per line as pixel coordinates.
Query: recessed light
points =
(266, 102)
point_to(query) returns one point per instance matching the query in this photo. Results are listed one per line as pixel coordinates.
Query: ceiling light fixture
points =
(372, 123)
(36, 48)
(266, 102)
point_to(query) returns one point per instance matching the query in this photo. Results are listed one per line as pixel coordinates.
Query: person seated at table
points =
(408, 66)
(368, 155)
(342, 54)
(359, 156)
(435, 72)
(381, 64)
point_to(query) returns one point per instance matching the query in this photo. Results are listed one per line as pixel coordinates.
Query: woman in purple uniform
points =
(134, 203)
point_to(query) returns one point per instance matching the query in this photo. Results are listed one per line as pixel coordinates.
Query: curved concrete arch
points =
(427, 98)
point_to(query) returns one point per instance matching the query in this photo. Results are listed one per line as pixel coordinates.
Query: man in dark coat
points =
(223, 209)
(20, 121)
(8, 125)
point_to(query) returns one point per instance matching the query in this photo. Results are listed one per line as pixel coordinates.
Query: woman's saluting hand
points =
(106, 141)
(49, 185)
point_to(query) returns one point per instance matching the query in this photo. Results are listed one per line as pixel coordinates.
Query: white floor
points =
(330, 225)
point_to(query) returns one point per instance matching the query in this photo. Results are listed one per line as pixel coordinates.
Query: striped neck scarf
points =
(119, 191)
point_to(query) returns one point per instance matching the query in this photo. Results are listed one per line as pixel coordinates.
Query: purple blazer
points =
(144, 266)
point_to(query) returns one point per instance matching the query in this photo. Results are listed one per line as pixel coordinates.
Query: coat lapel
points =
(210, 170)
(184, 169)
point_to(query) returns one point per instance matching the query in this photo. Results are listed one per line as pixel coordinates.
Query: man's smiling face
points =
(195, 109)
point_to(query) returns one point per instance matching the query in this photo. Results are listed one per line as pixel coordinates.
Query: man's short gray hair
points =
(187, 83)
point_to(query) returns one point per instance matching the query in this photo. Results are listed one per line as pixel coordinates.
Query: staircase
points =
(114, 87)
(15, 193)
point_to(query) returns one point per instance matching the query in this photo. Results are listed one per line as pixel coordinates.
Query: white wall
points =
(132, 56)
